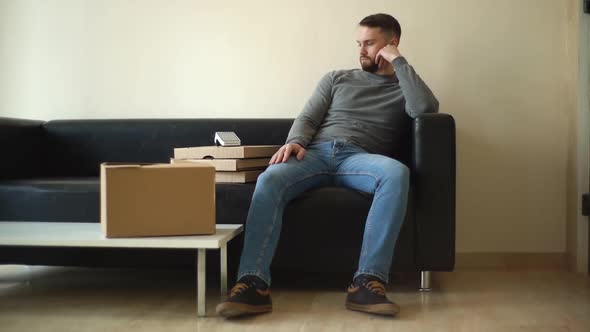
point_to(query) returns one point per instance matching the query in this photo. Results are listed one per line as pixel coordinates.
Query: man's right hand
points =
(286, 151)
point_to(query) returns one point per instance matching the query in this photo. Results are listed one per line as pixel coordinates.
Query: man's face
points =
(370, 42)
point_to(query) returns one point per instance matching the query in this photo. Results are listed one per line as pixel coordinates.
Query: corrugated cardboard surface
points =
(238, 177)
(226, 152)
(157, 200)
(228, 165)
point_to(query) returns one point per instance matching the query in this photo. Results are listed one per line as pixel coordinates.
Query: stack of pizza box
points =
(233, 164)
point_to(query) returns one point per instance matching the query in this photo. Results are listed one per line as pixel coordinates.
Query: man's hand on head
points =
(286, 151)
(386, 55)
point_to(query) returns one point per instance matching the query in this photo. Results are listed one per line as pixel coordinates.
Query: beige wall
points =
(501, 68)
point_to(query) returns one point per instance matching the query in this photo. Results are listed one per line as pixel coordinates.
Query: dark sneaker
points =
(249, 296)
(367, 293)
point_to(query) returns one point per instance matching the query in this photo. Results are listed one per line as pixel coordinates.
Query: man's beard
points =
(369, 66)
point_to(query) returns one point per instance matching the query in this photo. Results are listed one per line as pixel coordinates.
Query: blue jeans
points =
(328, 163)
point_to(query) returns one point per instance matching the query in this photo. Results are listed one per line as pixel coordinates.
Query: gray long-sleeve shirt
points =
(365, 109)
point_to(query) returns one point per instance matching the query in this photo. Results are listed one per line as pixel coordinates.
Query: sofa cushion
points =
(78, 200)
(50, 199)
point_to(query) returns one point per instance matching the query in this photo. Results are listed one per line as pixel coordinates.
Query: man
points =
(341, 138)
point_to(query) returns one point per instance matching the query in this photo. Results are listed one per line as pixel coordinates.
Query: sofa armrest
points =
(22, 148)
(433, 167)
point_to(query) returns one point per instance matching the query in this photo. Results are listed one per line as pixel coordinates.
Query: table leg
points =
(223, 264)
(201, 306)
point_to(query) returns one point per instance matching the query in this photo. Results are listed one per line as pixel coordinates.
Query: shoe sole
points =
(383, 309)
(229, 309)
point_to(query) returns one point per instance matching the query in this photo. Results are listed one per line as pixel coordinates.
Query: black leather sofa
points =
(49, 172)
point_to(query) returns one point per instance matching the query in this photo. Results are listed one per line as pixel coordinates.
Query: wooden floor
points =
(66, 299)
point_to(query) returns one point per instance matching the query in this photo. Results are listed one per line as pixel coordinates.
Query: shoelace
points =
(238, 288)
(376, 287)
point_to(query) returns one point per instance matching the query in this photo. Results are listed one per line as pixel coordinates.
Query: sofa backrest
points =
(77, 147)
(22, 150)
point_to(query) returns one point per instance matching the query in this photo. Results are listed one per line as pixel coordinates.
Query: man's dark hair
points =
(388, 24)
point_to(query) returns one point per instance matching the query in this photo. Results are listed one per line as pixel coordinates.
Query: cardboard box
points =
(237, 177)
(226, 152)
(228, 165)
(157, 199)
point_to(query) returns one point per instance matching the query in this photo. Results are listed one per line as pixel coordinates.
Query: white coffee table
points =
(60, 234)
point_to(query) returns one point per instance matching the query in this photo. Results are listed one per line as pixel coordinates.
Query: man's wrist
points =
(398, 61)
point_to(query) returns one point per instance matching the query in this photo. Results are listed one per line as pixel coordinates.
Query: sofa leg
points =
(425, 282)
